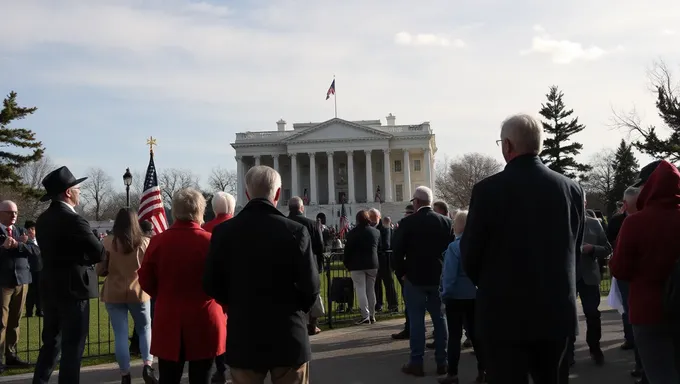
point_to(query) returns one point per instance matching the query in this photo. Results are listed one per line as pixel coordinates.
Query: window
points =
(397, 165)
(399, 192)
(416, 165)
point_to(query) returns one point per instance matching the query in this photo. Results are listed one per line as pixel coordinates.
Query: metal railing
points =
(101, 341)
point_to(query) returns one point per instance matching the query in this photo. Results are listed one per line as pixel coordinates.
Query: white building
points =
(338, 159)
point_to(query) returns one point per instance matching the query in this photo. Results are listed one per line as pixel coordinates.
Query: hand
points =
(23, 239)
(7, 243)
(587, 248)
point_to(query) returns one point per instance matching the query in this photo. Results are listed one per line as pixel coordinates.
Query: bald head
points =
(521, 135)
(8, 212)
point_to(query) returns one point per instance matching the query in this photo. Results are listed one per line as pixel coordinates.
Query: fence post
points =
(329, 307)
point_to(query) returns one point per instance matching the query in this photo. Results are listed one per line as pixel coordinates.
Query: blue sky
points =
(107, 74)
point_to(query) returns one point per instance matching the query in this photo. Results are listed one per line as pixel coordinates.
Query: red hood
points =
(662, 188)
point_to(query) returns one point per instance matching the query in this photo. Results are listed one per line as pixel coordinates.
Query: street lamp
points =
(127, 179)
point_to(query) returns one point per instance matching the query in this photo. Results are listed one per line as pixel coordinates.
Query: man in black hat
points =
(68, 282)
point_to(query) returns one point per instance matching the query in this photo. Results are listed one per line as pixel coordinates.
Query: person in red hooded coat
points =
(223, 204)
(646, 250)
(188, 325)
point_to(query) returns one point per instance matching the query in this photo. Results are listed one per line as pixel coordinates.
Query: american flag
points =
(331, 90)
(151, 206)
(344, 222)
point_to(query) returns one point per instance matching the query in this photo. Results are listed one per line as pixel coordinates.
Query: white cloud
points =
(538, 28)
(669, 32)
(563, 51)
(207, 8)
(427, 39)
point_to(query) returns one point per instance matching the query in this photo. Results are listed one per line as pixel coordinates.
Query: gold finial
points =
(151, 142)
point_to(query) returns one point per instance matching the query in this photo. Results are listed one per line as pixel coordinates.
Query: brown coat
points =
(122, 282)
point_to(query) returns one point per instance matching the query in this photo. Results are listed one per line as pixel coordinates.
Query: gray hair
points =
(630, 193)
(525, 132)
(460, 217)
(223, 202)
(424, 194)
(188, 204)
(262, 182)
(374, 211)
(295, 203)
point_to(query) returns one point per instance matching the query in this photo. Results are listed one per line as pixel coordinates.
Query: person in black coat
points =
(361, 259)
(525, 271)
(385, 276)
(296, 211)
(68, 280)
(418, 246)
(262, 268)
(35, 261)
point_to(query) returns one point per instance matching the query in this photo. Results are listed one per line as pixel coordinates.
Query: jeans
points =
(658, 348)
(141, 315)
(458, 313)
(590, 300)
(420, 299)
(364, 286)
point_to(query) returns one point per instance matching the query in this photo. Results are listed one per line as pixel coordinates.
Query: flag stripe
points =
(151, 206)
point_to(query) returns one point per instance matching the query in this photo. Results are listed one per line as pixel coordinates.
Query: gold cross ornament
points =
(151, 142)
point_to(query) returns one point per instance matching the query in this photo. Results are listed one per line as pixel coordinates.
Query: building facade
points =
(340, 161)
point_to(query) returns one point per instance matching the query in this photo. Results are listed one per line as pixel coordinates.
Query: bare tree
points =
(455, 182)
(172, 180)
(600, 180)
(31, 176)
(97, 191)
(223, 179)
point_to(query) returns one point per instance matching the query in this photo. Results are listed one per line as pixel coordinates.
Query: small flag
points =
(331, 90)
(151, 206)
(344, 222)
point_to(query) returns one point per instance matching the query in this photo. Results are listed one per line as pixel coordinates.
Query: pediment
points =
(337, 129)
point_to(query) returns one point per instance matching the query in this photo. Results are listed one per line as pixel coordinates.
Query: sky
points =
(106, 75)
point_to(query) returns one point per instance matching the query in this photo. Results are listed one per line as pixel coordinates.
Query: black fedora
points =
(59, 181)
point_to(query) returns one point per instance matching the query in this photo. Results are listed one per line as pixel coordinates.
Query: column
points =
(350, 177)
(240, 190)
(407, 175)
(276, 163)
(370, 194)
(331, 179)
(428, 168)
(387, 191)
(312, 179)
(293, 174)
(257, 160)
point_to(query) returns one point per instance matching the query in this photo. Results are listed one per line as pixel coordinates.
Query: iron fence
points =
(100, 340)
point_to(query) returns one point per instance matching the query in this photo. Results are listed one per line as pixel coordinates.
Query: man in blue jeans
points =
(418, 247)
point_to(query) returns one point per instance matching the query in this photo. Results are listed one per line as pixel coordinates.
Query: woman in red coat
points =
(188, 325)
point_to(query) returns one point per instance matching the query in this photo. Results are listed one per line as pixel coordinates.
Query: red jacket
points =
(649, 244)
(220, 218)
(172, 273)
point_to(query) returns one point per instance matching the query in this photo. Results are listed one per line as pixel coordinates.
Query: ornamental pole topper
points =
(151, 142)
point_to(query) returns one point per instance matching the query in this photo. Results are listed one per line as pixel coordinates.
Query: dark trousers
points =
(459, 313)
(65, 327)
(513, 362)
(385, 277)
(407, 324)
(590, 300)
(170, 372)
(624, 288)
(33, 296)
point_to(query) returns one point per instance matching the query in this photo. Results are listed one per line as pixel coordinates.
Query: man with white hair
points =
(418, 245)
(523, 269)
(223, 206)
(261, 266)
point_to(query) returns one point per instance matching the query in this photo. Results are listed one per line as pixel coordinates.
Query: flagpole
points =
(335, 98)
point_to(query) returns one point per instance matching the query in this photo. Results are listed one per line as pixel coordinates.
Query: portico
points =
(340, 161)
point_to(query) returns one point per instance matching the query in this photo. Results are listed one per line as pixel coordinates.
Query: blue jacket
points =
(455, 283)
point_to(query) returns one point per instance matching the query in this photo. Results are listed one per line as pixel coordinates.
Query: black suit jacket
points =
(524, 269)
(418, 246)
(261, 267)
(361, 248)
(614, 227)
(69, 252)
(316, 236)
(14, 263)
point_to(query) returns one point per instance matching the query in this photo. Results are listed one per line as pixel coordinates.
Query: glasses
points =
(13, 213)
(499, 142)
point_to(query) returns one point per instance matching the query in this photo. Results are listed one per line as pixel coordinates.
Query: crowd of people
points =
(244, 291)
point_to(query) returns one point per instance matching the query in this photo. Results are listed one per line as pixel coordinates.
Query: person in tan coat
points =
(122, 293)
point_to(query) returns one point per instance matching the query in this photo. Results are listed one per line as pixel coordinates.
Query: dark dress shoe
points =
(16, 362)
(219, 378)
(448, 379)
(403, 335)
(597, 356)
(442, 369)
(627, 345)
(413, 369)
(430, 345)
(127, 379)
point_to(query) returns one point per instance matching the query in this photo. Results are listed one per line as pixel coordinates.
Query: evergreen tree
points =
(18, 138)
(625, 167)
(558, 148)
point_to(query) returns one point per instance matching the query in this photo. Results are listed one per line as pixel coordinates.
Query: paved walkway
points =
(367, 355)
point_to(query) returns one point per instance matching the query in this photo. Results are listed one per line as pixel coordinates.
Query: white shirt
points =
(69, 206)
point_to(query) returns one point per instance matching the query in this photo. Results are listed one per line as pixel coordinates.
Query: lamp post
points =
(127, 179)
